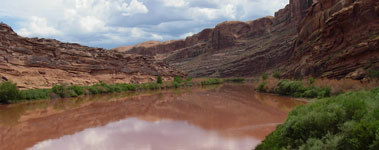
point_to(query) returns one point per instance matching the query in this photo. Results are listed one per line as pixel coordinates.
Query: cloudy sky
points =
(113, 23)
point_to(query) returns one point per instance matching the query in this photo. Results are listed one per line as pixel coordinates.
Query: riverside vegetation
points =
(295, 88)
(348, 121)
(9, 91)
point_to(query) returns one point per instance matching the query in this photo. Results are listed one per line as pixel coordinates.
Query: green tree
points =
(8, 91)
(159, 79)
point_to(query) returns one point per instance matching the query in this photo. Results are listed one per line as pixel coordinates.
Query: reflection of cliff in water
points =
(230, 111)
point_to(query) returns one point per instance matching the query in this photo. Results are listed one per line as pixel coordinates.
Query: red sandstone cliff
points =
(41, 63)
(323, 38)
(336, 39)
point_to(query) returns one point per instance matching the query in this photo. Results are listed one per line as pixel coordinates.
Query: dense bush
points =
(264, 76)
(8, 91)
(297, 89)
(34, 94)
(276, 74)
(211, 81)
(149, 86)
(178, 79)
(159, 80)
(261, 87)
(175, 84)
(348, 121)
(237, 80)
(311, 80)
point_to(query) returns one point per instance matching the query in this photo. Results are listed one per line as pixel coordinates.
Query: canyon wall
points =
(42, 63)
(337, 39)
(297, 41)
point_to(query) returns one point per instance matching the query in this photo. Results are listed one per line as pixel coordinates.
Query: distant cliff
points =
(40, 63)
(321, 38)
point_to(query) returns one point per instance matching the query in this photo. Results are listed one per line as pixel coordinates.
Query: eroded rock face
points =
(337, 38)
(42, 63)
(230, 49)
(321, 38)
(233, 48)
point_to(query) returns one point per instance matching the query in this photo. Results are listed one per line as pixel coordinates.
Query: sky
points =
(114, 23)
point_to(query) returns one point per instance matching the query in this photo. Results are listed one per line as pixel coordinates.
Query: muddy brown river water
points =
(224, 117)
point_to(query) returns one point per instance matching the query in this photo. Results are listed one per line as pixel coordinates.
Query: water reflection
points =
(136, 134)
(217, 117)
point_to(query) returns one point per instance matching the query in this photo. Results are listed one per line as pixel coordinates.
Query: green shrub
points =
(311, 80)
(261, 87)
(237, 80)
(297, 89)
(8, 91)
(211, 81)
(178, 79)
(346, 121)
(264, 76)
(189, 79)
(77, 89)
(34, 94)
(65, 91)
(159, 80)
(175, 84)
(373, 73)
(59, 90)
(276, 74)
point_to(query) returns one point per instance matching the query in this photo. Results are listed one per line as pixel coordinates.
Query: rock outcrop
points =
(337, 39)
(322, 38)
(42, 63)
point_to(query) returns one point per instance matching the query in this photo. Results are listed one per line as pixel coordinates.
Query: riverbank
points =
(311, 87)
(346, 121)
(9, 93)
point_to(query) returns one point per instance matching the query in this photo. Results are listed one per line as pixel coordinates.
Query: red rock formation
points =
(336, 38)
(233, 48)
(41, 63)
(323, 38)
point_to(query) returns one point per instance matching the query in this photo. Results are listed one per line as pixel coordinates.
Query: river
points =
(223, 117)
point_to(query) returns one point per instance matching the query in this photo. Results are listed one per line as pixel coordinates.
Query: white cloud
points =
(91, 24)
(157, 37)
(183, 36)
(135, 7)
(175, 3)
(38, 26)
(112, 23)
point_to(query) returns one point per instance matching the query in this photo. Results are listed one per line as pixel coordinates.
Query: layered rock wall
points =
(42, 63)
(337, 38)
(321, 38)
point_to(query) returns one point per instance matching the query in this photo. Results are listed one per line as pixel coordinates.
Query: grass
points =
(297, 89)
(235, 80)
(211, 81)
(348, 121)
(10, 93)
(294, 88)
